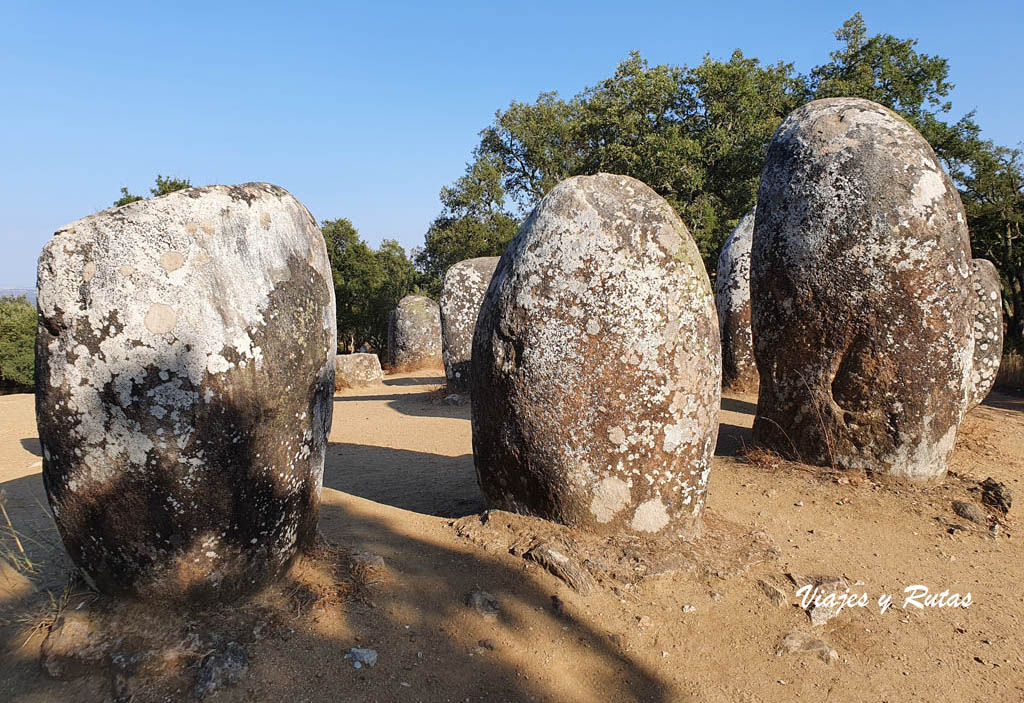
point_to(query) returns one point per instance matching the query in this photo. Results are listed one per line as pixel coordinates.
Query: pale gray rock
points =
(597, 366)
(414, 334)
(732, 299)
(462, 293)
(987, 327)
(356, 371)
(860, 294)
(185, 368)
(796, 641)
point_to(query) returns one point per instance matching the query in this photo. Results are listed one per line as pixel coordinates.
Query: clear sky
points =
(365, 110)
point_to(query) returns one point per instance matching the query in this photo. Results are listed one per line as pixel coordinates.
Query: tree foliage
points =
(698, 136)
(367, 284)
(162, 186)
(17, 343)
(474, 223)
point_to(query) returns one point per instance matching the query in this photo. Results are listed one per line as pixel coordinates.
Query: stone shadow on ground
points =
(431, 484)
(32, 446)
(738, 406)
(1005, 400)
(732, 439)
(424, 404)
(415, 380)
(414, 615)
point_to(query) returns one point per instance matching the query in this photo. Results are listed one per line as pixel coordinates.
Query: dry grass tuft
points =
(762, 458)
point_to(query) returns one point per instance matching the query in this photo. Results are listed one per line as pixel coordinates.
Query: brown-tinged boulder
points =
(596, 365)
(185, 369)
(414, 334)
(462, 293)
(987, 328)
(861, 307)
(356, 371)
(732, 299)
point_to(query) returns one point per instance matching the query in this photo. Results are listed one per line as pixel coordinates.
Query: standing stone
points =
(356, 371)
(988, 329)
(732, 298)
(414, 334)
(185, 368)
(462, 293)
(860, 297)
(597, 366)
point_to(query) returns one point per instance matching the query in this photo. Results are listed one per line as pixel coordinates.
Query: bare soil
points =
(657, 623)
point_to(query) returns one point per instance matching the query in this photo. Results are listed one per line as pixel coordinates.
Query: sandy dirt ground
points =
(399, 483)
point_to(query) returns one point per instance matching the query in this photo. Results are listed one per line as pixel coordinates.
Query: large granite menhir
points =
(732, 299)
(185, 368)
(462, 293)
(596, 365)
(860, 294)
(414, 334)
(987, 328)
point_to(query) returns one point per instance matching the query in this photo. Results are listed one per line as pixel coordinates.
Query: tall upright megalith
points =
(597, 367)
(185, 368)
(732, 299)
(414, 334)
(987, 329)
(462, 293)
(860, 296)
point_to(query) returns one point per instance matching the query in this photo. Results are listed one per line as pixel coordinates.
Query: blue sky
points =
(365, 110)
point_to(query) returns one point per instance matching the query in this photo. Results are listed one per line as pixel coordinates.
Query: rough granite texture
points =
(462, 293)
(185, 368)
(356, 371)
(987, 328)
(597, 367)
(860, 294)
(414, 334)
(732, 299)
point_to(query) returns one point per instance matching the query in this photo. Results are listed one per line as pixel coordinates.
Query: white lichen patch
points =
(650, 516)
(610, 496)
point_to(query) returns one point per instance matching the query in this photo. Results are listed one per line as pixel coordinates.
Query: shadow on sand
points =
(416, 619)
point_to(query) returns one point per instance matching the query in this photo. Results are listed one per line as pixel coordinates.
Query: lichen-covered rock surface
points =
(597, 366)
(732, 298)
(185, 368)
(356, 371)
(414, 334)
(462, 293)
(860, 294)
(988, 329)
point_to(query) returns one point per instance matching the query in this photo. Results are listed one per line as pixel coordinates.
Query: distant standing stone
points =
(356, 371)
(988, 329)
(185, 368)
(860, 294)
(462, 293)
(732, 298)
(596, 365)
(414, 335)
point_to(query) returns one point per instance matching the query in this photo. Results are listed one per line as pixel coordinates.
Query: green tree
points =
(696, 136)
(17, 343)
(367, 284)
(474, 223)
(163, 186)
